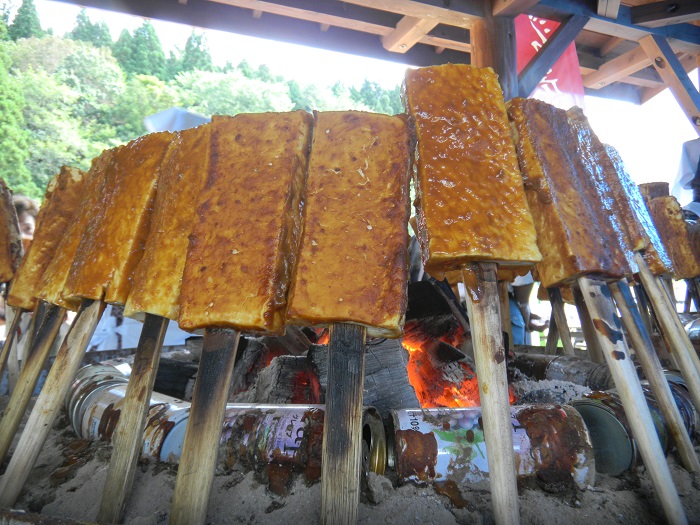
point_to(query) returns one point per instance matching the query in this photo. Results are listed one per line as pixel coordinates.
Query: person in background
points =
(27, 210)
(522, 320)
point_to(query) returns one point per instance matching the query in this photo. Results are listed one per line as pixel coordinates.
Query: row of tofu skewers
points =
(259, 220)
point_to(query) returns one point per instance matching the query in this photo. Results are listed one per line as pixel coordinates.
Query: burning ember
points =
(437, 371)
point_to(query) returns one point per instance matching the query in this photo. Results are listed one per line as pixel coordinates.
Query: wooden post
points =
(595, 352)
(195, 475)
(616, 354)
(505, 312)
(677, 340)
(29, 376)
(644, 348)
(341, 455)
(557, 302)
(48, 404)
(127, 439)
(10, 336)
(490, 360)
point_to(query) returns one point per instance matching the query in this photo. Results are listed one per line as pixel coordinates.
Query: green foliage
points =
(146, 56)
(210, 93)
(26, 23)
(13, 137)
(143, 96)
(121, 49)
(196, 55)
(378, 99)
(97, 34)
(41, 54)
(3, 31)
(54, 135)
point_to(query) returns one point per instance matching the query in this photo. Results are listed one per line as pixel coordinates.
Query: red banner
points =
(562, 86)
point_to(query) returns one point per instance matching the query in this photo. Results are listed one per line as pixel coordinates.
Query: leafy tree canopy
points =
(26, 23)
(95, 33)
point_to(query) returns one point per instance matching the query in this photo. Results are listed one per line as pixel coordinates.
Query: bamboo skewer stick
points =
(643, 303)
(489, 356)
(666, 284)
(644, 348)
(47, 406)
(694, 291)
(504, 300)
(551, 347)
(617, 356)
(10, 337)
(342, 429)
(595, 352)
(128, 435)
(684, 355)
(29, 376)
(559, 315)
(195, 474)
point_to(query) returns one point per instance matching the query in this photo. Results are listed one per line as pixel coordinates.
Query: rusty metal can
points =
(565, 368)
(290, 438)
(615, 448)
(550, 443)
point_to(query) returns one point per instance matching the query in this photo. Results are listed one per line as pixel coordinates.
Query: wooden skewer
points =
(504, 301)
(48, 404)
(643, 303)
(489, 357)
(644, 348)
(195, 475)
(666, 284)
(29, 376)
(559, 315)
(684, 355)
(342, 429)
(127, 439)
(595, 352)
(616, 354)
(10, 336)
(551, 347)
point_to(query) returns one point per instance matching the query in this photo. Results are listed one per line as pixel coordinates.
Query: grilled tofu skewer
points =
(561, 161)
(61, 205)
(11, 252)
(105, 257)
(242, 250)
(155, 295)
(473, 215)
(352, 274)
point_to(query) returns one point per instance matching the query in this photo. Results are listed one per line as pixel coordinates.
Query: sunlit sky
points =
(648, 137)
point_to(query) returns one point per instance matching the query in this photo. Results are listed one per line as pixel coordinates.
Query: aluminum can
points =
(550, 442)
(290, 437)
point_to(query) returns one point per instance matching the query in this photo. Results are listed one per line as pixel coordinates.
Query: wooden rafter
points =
(659, 14)
(609, 8)
(512, 7)
(617, 68)
(671, 70)
(550, 52)
(431, 10)
(689, 63)
(612, 43)
(408, 33)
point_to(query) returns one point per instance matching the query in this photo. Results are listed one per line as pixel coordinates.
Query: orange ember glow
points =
(438, 383)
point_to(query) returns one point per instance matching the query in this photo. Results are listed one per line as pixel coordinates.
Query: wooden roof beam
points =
(682, 37)
(549, 53)
(671, 70)
(658, 14)
(609, 8)
(408, 33)
(512, 7)
(689, 63)
(610, 45)
(464, 14)
(617, 68)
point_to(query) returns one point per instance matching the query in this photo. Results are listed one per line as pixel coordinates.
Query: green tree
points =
(143, 96)
(196, 55)
(26, 23)
(95, 33)
(3, 31)
(13, 137)
(377, 98)
(210, 93)
(146, 57)
(121, 49)
(41, 54)
(54, 134)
